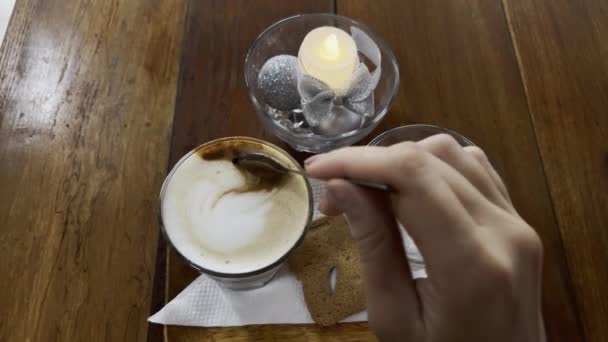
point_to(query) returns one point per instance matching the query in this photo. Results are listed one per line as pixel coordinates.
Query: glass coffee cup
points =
(224, 222)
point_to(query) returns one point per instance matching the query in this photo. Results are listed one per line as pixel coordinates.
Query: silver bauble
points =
(278, 82)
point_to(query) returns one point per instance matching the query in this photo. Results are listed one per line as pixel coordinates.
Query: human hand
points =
(483, 260)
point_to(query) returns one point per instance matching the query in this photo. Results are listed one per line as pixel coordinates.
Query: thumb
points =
(389, 284)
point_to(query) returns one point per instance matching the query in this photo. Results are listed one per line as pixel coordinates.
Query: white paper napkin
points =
(204, 303)
(6, 9)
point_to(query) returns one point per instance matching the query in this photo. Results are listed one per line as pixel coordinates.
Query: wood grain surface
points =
(562, 49)
(87, 93)
(458, 70)
(212, 102)
(93, 114)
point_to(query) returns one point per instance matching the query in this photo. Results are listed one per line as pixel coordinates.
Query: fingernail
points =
(311, 159)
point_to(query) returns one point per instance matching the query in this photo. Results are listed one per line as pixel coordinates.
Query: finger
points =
(424, 201)
(406, 167)
(371, 162)
(446, 148)
(327, 206)
(481, 158)
(386, 272)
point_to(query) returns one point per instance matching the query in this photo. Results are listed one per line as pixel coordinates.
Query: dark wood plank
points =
(349, 332)
(212, 102)
(564, 62)
(458, 70)
(87, 92)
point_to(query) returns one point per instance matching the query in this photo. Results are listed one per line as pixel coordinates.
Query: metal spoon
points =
(258, 160)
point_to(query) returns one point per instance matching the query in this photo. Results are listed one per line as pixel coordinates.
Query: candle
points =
(329, 54)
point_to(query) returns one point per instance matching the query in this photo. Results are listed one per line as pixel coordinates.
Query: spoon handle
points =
(360, 182)
(372, 185)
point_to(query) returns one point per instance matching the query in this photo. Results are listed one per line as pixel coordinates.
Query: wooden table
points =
(98, 99)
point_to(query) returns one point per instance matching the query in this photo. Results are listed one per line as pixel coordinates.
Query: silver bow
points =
(331, 112)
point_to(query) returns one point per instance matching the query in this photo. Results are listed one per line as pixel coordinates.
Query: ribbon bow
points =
(332, 112)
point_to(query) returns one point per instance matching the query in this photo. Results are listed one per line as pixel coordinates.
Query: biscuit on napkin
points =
(329, 245)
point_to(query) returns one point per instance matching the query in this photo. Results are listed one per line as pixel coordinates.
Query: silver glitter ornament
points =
(278, 82)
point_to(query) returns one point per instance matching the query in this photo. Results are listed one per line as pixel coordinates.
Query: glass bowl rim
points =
(437, 129)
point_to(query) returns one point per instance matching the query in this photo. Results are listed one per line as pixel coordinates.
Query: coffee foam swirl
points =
(226, 231)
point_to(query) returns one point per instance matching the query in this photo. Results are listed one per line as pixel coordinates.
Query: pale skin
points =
(483, 260)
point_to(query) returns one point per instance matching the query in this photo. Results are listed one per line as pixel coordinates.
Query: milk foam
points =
(231, 232)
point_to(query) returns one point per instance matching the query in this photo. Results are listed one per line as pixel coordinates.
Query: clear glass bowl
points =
(284, 38)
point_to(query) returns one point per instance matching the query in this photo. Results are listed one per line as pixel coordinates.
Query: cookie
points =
(329, 245)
